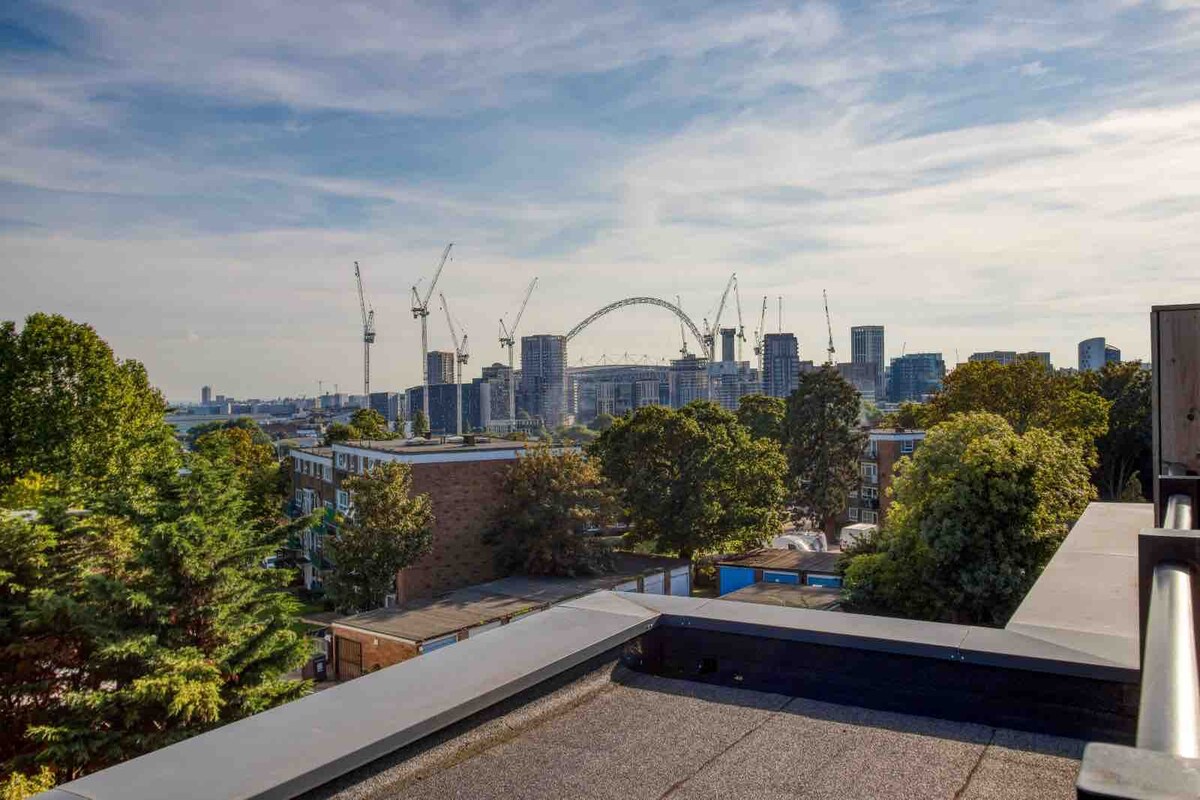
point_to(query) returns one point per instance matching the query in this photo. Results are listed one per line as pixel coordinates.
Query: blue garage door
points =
(733, 578)
(781, 577)
(831, 581)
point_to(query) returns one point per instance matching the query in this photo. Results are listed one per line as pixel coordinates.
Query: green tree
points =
(70, 409)
(1125, 448)
(370, 424)
(387, 530)
(256, 469)
(576, 434)
(823, 445)
(420, 424)
(549, 501)
(602, 422)
(693, 480)
(763, 416)
(909, 416)
(240, 423)
(977, 512)
(870, 413)
(1028, 396)
(339, 432)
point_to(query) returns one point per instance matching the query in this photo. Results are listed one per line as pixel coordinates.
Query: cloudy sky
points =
(196, 180)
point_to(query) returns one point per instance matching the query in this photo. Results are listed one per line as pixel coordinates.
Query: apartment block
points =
(781, 364)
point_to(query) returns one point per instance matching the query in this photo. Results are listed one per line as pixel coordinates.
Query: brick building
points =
(885, 446)
(463, 482)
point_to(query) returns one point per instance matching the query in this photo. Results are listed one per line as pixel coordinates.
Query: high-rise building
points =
(688, 378)
(616, 389)
(543, 386)
(731, 381)
(866, 347)
(1012, 356)
(443, 403)
(205, 395)
(728, 347)
(389, 405)
(440, 364)
(497, 377)
(781, 364)
(862, 376)
(915, 376)
(1095, 353)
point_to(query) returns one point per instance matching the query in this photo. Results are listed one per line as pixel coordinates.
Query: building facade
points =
(862, 376)
(497, 377)
(543, 385)
(866, 347)
(869, 501)
(1095, 353)
(616, 389)
(915, 376)
(390, 405)
(205, 395)
(688, 380)
(781, 364)
(443, 405)
(1005, 357)
(440, 366)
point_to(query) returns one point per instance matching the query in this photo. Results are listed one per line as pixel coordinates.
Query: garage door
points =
(733, 578)
(781, 577)
(681, 582)
(653, 584)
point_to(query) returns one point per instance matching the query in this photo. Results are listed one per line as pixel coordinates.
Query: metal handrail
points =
(1169, 711)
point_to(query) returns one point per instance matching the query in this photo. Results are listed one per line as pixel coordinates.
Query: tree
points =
(370, 424)
(339, 432)
(1125, 448)
(255, 467)
(387, 530)
(1028, 396)
(823, 445)
(602, 422)
(763, 416)
(977, 512)
(870, 413)
(70, 409)
(909, 416)
(693, 479)
(240, 423)
(550, 500)
(420, 424)
(576, 434)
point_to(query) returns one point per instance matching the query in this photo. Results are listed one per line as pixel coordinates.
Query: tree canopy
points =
(549, 500)
(72, 411)
(823, 445)
(977, 512)
(247, 424)
(763, 416)
(420, 423)
(387, 530)
(365, 423)
(693, 480)
(1125, 448)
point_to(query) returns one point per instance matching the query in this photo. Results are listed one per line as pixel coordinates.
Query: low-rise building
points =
(869, 500)
(793, 567)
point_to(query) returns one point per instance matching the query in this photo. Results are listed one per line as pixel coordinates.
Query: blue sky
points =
(197, 179)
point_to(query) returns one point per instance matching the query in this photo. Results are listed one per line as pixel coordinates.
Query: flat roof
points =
(324, 452)
(422, 620)
(792, 560)
(428, 446)
(788, 595)
(625, 734)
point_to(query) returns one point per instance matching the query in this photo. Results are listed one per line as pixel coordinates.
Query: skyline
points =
(197, 182)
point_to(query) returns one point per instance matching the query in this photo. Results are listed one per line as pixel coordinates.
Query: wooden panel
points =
(1177, 378)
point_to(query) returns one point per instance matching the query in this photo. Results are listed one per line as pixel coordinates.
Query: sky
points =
(196, 180)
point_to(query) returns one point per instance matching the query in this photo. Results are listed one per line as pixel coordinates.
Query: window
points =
(906, 446)
(870, 516)
(341, 460)
(870, 493)
(343, 500)
(298, 463)
(870, 472)
(853, 514)
(328, 470)
(853, 493)
(872, 449)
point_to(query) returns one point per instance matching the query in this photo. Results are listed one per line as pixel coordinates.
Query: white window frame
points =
(870, 517)
(341, 460)
(853, 513)
(299, 462)
(870, 472)
(907, 446)
(343, 500)
(870, 493)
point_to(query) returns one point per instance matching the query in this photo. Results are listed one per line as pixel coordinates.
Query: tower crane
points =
(741, 329)
(829, 327)
(368, 323)
(759, 334)
(710, 334)
(683, 351)
(460, 357)
(420, 310)
(508, 338)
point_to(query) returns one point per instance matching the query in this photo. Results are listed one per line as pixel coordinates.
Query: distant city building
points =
(205, 395)
(866, 347)
(728, 344)
(915, 376)
(688, 378)
(543, 385)
(616, 389)
(1095, 353)
(1005, 357)
(497, 377)
(863, 376)
(440, 364)
(731, 381)
(443, 402)
(781, 364)
(389, 404)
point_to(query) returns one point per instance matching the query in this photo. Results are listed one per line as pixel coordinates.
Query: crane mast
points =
(460, 358)
(368, 323)
(741, 329)
(710, 334)
(508, 339)
(759, 333)
(683, 351)
(829, 358)
(420, 310)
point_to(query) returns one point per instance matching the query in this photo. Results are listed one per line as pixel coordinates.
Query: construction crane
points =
(420, 310)
(368, 322)
(460, 357)
(759, 334)
(683, 351)
(710, 334)
(829, 358)
(741, 329)
(508, 338)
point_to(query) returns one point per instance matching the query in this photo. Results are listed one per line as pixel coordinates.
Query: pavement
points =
(622, 735)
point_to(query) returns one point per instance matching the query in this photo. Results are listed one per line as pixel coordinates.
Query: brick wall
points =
(377, 651)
